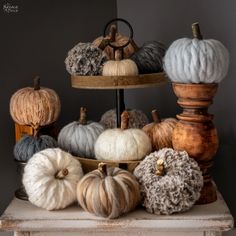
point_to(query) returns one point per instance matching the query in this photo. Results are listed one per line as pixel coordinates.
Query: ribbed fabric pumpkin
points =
(79, 137)
(37, 106)
(29, 145)
(50, 179)
(108, 192)
(196, 60)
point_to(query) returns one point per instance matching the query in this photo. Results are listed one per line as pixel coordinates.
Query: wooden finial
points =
(82, 118)
(155, 116)
(124, 120)
(62, 174)
(196, 31)
(102, 167)
(36, 82)
(160, 167)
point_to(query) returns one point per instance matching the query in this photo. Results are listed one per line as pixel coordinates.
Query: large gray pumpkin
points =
(79, 137)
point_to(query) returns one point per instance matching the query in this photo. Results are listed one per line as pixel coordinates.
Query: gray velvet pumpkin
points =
(28, 145)
(78, 137)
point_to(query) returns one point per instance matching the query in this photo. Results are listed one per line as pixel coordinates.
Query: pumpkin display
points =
(160, 131)
(50, 178)
(85, 59)
(170, 181)
(37, 106)
(196, 60)
(79, 137)
(28, 145)
(108, 192)
(122, 144)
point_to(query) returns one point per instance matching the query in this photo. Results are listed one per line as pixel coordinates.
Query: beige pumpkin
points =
(37, 106)
(122, 144)
(160, 131)
(108, 192)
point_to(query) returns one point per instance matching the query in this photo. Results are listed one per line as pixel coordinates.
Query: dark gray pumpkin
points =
(29, 145)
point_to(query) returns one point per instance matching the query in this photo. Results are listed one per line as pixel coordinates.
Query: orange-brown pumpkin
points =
(35, 106)
(160, 131)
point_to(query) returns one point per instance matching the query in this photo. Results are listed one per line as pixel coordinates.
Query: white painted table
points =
(202, 220)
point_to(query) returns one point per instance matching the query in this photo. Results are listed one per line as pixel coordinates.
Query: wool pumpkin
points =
(79, 137)
(170, 181)
(160, 131)
(137, 119)
(50, 178)
(108, 192)
(37, 106)
(122, 144)
(28, 145)
(196, 60)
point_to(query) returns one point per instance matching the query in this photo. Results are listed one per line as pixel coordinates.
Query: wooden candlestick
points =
(195, 131)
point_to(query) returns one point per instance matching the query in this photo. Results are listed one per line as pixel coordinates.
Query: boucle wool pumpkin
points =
(137, 119)
(122, 144)
(196, 60)
(85, 59)
(50, 179)
(170, 181)
(37, 106)
(79, 137)
(108, 192)
(28, 145)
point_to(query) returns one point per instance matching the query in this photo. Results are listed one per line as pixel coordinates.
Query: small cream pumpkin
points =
(122, 144)
(50, 178)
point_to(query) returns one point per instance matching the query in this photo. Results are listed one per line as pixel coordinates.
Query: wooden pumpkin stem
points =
(62, 174)
(113, 31)
(196, 31)
(155, 116)
(102, 167)
(36, 82)
(160, 170)
(124, 120)
(82, 118)
(118, 54)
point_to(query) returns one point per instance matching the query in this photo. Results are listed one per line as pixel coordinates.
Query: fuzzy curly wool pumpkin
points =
(79, 137)
(137, 119)
(196, 60)
(170, 181)
(50, 178)
(28, 145)
(37, 106)
(85, 59)
(108, 192)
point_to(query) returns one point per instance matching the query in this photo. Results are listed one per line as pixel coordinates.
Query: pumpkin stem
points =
(160, 167)
(118, 54)
(102, 167)
(196, 31)
(36, 82)
(61, 174)
(82, 118)
(155, 116)
(112, 37)
(124, 120)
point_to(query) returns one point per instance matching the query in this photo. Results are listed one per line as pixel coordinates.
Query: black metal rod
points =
(120, 106)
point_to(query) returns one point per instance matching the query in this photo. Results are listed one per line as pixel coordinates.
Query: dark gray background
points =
(37, 38)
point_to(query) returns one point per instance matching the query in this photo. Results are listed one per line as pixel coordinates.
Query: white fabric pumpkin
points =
(50, 178)
(196, 61)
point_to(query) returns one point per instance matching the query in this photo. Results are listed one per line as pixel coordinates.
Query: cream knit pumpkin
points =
(50, 178)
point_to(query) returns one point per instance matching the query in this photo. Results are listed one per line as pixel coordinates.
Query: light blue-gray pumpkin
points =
(79, 137)
(28, 145)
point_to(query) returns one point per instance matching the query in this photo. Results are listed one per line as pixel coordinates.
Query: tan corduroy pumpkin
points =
(37, 106)
(108, 192)
(160, 131)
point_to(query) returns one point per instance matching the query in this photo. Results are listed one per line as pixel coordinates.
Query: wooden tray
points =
(118, 82)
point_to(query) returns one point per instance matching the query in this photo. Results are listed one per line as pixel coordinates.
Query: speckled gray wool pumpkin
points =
(29, 145)
(179, 186)
(137, 119)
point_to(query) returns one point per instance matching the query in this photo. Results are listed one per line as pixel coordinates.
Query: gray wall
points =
(167, 20)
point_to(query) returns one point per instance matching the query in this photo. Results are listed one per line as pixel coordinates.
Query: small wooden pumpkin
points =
(50, 178)
(160, 131)
(196, 60)
(79, 137)
(122, 144)
(29, 145)
(35, 106)
(108, 192)
(170, 181)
